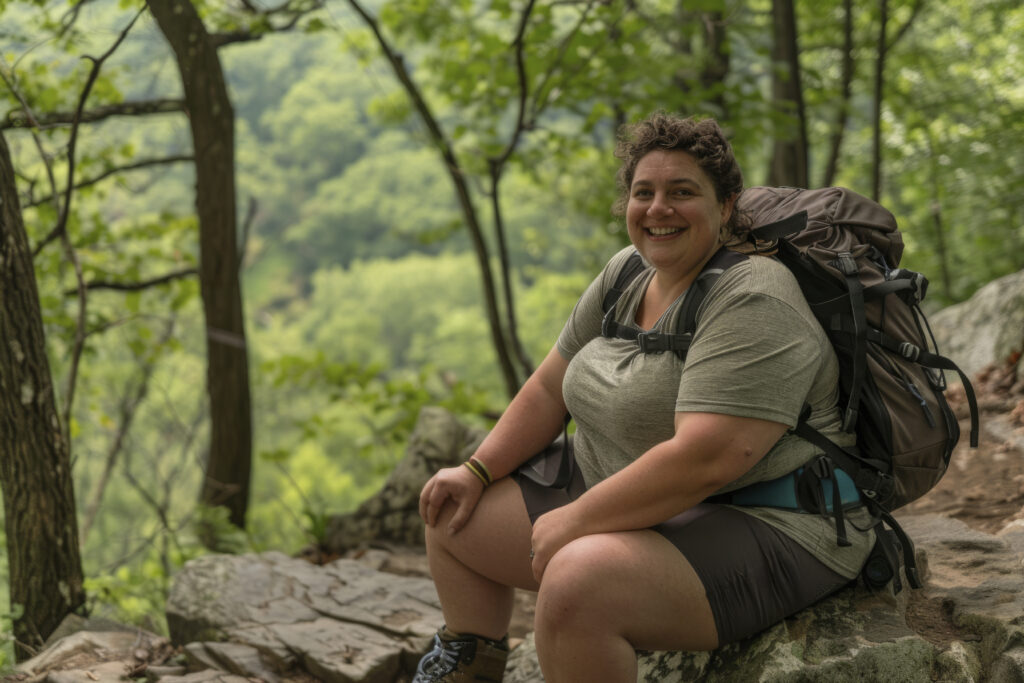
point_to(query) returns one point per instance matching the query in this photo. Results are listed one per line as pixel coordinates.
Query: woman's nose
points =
(659, 207)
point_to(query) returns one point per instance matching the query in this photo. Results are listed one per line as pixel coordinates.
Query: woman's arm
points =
(531, 421)
(708, 451)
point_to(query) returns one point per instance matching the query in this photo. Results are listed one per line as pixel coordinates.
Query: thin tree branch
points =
(846, 88)
(43, 155)
(543, 91)
(250, 216)
(145, 163)
(876, 156)
(497, 167)
(129, 407)
(20, 119)
(292, 9)
(461, 190)
(518, 44)
(503, 258)
(134, 286)
(79, 345)
(902, 30)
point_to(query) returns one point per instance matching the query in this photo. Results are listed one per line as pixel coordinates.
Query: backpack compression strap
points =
(911, 352)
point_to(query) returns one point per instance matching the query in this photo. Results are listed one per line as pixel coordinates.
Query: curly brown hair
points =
(701, 138)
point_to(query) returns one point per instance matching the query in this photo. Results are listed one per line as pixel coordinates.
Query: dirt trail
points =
(984, 486)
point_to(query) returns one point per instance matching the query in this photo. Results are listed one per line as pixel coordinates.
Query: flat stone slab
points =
(340, 622)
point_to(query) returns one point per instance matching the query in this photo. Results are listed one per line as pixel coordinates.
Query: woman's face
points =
(673, 216)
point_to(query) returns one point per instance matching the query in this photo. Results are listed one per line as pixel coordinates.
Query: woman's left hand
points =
(551, 532)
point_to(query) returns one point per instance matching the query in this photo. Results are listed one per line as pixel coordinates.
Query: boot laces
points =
(442, 660)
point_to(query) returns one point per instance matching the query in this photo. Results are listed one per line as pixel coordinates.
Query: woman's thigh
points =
(495, 542)
(706, 578)
(754, 575)
(632, 584)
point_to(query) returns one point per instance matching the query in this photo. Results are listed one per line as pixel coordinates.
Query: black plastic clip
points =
(846, 264)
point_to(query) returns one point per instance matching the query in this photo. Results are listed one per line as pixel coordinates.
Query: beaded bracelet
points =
(480, 470)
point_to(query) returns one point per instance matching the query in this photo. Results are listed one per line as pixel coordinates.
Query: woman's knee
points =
(581, 582)
(628, 584)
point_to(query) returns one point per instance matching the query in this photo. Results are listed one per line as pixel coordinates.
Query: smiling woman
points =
(674, 220)
(625, 552)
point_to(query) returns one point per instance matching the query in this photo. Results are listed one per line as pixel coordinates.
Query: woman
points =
(638, 561)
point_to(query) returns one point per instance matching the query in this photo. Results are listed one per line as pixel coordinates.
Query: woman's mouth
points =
(662, 231)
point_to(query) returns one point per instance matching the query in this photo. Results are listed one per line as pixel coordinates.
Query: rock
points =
(966, 624)
(155, 673)
(522, 666)
(206, 676)
(986, 328)
(1013, 535)
(392, 514)
(243, 660)
(267, 616)
(91, 656)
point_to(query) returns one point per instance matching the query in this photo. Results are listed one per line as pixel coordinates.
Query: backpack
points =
(844, 251)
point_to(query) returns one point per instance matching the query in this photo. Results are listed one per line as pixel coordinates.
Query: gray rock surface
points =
(267, 616)
(86, 656)
(392, 514)
(986, 328)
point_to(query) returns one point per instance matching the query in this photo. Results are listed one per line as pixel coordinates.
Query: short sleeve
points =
(754, 354)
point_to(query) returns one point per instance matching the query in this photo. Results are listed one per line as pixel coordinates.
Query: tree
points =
(35, 468)
(789, 155)
(211, 118)
(876, 118)
(845, 91)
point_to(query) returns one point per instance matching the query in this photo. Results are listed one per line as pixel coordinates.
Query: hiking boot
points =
(457, 658)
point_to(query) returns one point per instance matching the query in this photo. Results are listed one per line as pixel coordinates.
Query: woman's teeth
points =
(658, 232)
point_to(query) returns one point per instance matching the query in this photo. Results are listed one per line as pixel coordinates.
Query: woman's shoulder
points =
(760, 289)
(760, 275)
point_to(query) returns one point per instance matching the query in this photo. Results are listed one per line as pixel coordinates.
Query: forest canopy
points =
(420, 192)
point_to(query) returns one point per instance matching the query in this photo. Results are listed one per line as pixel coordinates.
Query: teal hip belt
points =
(789, 490)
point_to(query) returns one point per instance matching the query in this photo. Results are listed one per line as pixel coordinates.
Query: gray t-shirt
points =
(758, 352)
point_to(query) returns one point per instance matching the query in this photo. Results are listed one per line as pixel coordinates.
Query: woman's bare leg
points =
(476, 568)
(606, 595)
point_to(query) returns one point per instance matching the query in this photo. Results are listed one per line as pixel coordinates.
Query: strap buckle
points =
(910, 351)
(652, 341)
(846, 264)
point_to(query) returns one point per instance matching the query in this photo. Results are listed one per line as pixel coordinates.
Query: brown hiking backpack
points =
(844, 251)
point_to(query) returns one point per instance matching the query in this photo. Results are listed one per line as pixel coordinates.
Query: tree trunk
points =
(211, 117)
(936, 210)
(876, 147)
(789, 156)
(716, 68)
(843, 112)
(35, 466)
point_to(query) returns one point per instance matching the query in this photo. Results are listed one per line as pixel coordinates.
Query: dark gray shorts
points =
(753, 581)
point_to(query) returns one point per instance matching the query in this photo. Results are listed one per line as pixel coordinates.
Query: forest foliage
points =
(362, 283)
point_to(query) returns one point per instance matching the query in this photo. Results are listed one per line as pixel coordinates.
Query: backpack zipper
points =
(911, 388)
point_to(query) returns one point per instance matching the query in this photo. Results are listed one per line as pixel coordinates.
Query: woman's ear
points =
(727, 208)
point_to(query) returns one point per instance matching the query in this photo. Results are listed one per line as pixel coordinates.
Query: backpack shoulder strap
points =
(698, 291)
(627, 273)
